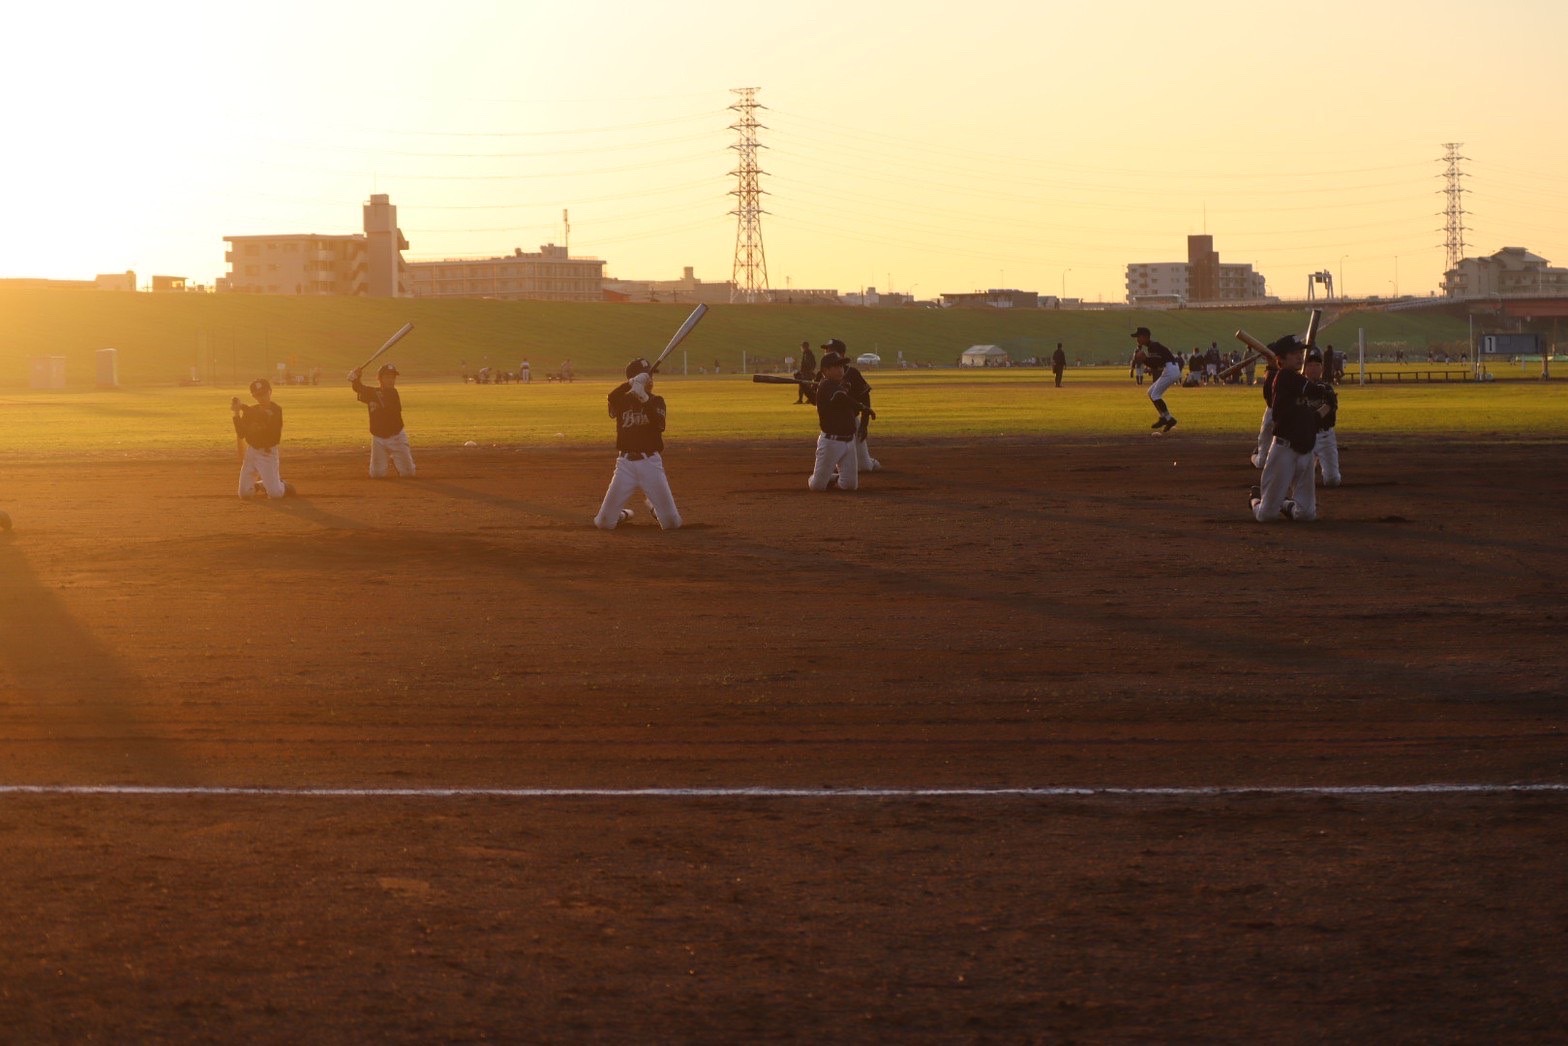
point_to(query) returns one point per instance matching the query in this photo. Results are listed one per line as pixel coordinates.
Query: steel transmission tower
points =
(1455, 211)
(749, 278)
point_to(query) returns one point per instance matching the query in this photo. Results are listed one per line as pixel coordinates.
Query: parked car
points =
(869, 359)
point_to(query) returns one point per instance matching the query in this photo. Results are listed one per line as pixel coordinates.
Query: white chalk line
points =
(762, 792)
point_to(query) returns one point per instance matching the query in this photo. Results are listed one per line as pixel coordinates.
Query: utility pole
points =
(749, 277)
(1454, 213)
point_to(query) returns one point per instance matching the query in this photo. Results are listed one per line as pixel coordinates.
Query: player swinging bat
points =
(401, 333)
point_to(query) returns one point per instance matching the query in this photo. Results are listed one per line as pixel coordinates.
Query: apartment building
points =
(1512, 270)
(1202, 277)
(369, 263)
(550, 274)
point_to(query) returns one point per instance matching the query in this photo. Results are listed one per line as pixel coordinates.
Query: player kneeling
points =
(260, 428)
(639, 438)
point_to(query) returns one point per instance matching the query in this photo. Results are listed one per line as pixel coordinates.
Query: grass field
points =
(917, 404)
(232, 338)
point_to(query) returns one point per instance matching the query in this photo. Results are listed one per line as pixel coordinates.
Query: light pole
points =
(1342, 258)
(1063, 296)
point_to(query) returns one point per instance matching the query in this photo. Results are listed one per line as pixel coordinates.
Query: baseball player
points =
(1164, 370)
(860, 392)
(1287, 491)
(388, 439)
(639, 437)
(1320, 391)
(836, 413)
(261, 427)
(807, 372)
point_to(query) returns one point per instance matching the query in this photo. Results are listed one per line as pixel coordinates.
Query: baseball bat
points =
(401, 331)
(1313, 318)
(680, 335)
(1257, 346)
(1241, 364)
(780, 379)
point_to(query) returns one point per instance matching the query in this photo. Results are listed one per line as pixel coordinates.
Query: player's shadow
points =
(57, 673)
(452, 490)
(304, 509)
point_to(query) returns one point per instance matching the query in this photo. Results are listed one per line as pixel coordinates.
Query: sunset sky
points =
(913, 146)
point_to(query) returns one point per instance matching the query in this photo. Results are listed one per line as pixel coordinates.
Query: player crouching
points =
(837, 412)
(639, 437)
(260, 426)
(1287, 490)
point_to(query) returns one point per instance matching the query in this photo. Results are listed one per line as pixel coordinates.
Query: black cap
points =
(387, 368)
(1314, 355)
(834, 345)
(259, 384)
(831, 359)
(638, 366)
(1143, 331)
(1288, 343)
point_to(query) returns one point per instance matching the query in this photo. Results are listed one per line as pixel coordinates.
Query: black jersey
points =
(261, 425)
(836, 408)
(639, 426)
(1269, 375)
(859, 388)
(1295, 419)
(386, 409)
(1157, 357)
(1321, 392)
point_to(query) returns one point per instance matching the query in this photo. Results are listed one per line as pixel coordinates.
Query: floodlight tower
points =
(749, 278)
(1454, 212)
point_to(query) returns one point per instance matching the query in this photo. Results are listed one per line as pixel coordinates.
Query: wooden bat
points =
(401, 331)
(1241, 364)
(780, 379)
(680, 335)
(1257, 346)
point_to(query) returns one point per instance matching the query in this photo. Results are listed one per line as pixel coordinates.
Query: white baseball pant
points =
(1168, 377)
(839, 452)
(647, 475)
(1260, 453)
(395, 448)
(1327, 454)
(1286, 489)
(260, 465)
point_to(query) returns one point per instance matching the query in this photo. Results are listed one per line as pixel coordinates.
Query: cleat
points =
(1254, 495)
(1170, 423)
(1159, 423)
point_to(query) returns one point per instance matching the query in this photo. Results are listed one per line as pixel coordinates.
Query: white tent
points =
(984, 356)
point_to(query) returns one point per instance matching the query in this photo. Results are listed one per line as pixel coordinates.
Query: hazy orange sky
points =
(913, 146)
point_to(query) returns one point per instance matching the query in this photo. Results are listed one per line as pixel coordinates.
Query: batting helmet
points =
(259, 384)
(638, 366)
(387, 368)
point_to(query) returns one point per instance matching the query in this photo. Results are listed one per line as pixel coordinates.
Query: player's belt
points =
(839, 439)
(634, 455)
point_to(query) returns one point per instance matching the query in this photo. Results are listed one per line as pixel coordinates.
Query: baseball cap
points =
(1143, 331)
(638, 366)
(1314, 355)
(259, 384)
(387, 368)
(834, 345)
(1286, 344)
(831, 359)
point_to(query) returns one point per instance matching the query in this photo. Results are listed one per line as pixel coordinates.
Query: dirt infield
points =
(988, 614)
